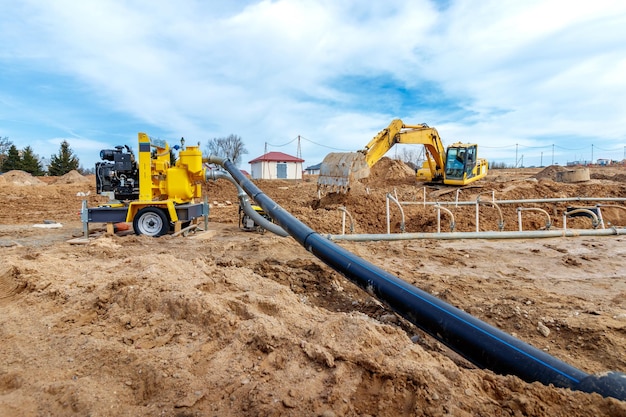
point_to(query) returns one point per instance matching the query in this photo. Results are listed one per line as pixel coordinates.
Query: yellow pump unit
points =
(151, 193)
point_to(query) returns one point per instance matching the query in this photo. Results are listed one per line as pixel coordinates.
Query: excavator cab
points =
(461, 160)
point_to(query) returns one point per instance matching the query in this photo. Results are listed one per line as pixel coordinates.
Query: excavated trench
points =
(477, 341)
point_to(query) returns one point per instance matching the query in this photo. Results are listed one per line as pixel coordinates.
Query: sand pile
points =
(20, 178)
(249, 324)
(72, 177)
(615, 177)
(389, 171)
(549, 172)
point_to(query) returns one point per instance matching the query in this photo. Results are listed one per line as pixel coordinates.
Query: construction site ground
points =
(232, 323)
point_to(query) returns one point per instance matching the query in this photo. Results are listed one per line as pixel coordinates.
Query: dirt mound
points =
(612, 173)
(72, 177)
(549, 172)
(20, 178)
(231, 323)
(389, 171)
(615, 177)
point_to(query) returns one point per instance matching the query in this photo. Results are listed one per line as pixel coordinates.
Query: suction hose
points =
(479, 342)
(213, 174)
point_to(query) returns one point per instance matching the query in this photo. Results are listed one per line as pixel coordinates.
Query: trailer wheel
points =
(151, 221)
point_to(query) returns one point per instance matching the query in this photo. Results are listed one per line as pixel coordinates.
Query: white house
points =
(313, 169)
(276, 165)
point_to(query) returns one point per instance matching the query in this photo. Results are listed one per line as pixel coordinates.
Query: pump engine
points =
(119, 178)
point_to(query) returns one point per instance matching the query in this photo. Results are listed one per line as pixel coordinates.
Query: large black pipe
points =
(477, 341)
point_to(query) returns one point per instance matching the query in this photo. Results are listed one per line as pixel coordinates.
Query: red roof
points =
(276, 157)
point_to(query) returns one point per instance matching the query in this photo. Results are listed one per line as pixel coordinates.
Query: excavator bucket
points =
(340, 169)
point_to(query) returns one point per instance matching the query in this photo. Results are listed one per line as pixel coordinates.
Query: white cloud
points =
(549, 65)
(518, 71)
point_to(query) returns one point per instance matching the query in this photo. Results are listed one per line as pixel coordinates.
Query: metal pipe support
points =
(526, 234)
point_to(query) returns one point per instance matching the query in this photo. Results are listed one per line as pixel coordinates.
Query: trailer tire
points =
(151, 221)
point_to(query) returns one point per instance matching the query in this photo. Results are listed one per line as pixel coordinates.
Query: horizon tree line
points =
(26, 160)
(11, 158)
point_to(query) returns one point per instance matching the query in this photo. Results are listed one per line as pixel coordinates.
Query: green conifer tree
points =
(30, 162)
(12, 160)
(64, 162)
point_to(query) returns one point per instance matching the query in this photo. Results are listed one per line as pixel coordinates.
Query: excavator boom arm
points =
(382, 142)
(398, 132)
(429, 137)
(340, 169)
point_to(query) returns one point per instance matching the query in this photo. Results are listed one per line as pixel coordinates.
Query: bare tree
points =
(409, 155)
(230, 147)
(5, 145)
(412, 156)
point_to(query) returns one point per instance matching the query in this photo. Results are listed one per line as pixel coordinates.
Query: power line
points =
(551, 147)
(325, 146)
(607, 150)
(285, 144)
(299, 137)
(571, 149)
(497, 147)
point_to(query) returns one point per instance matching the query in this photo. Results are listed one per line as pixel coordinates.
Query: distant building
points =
(276, 165)
(313, 169)
(576, 163)
(602, 161)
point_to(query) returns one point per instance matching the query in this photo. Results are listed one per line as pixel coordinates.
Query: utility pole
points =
(299, 151)
(299, 155)
(264, 164)
(516, 155)
(553, 154)
(541, 160)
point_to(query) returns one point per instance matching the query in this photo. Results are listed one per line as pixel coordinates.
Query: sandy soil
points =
(234, 323)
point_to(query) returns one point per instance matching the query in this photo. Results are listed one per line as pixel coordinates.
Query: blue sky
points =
(543, 80)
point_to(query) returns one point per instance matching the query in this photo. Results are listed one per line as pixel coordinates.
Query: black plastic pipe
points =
(477, 341)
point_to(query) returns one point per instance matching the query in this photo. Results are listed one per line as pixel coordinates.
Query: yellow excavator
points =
(457, 165)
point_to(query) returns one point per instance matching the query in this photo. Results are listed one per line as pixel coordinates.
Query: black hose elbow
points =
(607, 384)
